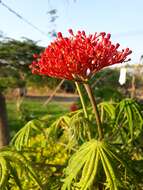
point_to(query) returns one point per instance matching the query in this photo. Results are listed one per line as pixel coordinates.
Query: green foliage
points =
(83, 169)
(21, 139)
(14, 165)
(18, 54)
(123, 120)
(15, 58)
(73, 129)
(66, 155)
(129, 111)
(81, 128)
(129, 120)
(108, 93)
(106, 86)
(5, 83)
(107, 111)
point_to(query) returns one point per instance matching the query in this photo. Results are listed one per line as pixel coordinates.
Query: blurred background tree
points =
(15, 57)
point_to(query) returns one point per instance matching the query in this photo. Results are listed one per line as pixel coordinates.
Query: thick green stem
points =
(95, 109)
(81, 99)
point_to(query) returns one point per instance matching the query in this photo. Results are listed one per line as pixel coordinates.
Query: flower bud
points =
(59, 35)
(71, 31)
(108, 36)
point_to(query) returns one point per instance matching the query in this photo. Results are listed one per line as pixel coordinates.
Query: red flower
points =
(79, 56)
(73, 107)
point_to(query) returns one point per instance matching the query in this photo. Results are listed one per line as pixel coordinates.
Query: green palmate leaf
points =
(3, 172)
(129, 119)
(107, 115)
(75, 128)
(93, 160)
(15, 174)
(77, 112)
(56, 129)
(111, 181)
(14, 164)
(81, 129)
(21, 139)
(107, 109)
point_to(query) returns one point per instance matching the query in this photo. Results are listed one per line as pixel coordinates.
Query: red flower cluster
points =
(78, 56)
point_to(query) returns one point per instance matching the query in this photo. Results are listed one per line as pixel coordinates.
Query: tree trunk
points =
(4, 133)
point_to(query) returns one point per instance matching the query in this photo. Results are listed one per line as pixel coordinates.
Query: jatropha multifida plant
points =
(78, 58)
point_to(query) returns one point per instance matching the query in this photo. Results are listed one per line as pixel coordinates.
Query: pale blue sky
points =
(122, 18)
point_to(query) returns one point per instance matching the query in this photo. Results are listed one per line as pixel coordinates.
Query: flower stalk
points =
(95, 109)
(81, 99)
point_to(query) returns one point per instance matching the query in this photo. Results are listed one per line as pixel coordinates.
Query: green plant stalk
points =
(95, 109)
(81, 99)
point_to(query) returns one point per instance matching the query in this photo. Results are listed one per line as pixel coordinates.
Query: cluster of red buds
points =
(79, 56)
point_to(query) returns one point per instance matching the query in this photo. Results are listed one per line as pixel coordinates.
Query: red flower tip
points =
(59, 35)
(127, 60)
(102, 34)
(108, 36)
(83, 33)
(128, 51)
(79, 32)
(112, 47)
(35, 55)
(71, 32)
(117, 45)
(33, 63)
